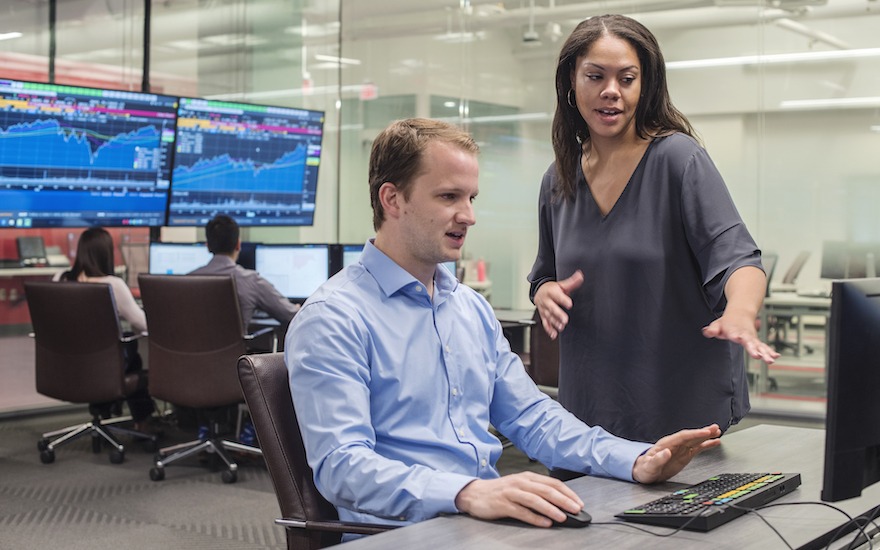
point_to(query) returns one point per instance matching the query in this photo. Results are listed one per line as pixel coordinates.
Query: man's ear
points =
(391, 199)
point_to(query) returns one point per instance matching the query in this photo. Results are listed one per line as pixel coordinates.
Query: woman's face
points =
(607, 84)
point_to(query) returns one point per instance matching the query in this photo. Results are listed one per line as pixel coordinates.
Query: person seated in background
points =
(95, 263)
(397, 371)
(254, 292)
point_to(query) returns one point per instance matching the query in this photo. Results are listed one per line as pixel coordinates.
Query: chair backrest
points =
(195, 338)
(769, 260)
(264, 382)
(543, 354)
(78, 351)
(795, 269)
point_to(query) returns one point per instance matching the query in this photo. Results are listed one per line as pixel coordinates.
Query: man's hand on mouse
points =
(527, 496)
(672, 453)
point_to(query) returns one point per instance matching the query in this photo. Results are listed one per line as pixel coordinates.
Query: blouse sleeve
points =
(718, 237)
(544, 268)
(127, 306)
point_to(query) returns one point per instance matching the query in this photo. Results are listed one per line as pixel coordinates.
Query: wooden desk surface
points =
(761, 448)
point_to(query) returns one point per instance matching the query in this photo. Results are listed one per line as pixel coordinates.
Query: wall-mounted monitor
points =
(177, 258)
(255, 163)
(75, 157)
(296, 270)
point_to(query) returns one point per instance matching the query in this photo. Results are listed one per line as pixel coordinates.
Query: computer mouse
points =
(581, 519)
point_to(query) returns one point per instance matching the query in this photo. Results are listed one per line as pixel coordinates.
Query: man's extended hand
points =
(527, 496)
(672, 453)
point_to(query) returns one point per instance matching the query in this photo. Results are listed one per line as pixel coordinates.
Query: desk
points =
(760, 448)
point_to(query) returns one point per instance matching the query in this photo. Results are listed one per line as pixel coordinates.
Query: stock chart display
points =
(257, 164)
(73, 156)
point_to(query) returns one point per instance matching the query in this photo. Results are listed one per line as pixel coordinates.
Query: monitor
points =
(77, 157)
(296, 270)
(343, 255)
(247, 255)
(852, 421)
(257, 164)
(177, 258)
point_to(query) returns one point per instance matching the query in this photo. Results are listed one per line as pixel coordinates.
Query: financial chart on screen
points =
(74, 156)
(255, 163)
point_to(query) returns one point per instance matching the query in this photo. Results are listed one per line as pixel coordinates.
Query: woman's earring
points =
(571, 98)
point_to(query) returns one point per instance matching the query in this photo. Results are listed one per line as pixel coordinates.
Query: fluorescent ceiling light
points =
(339, 60)
(10, 35)
(831, 103)
(774, 58)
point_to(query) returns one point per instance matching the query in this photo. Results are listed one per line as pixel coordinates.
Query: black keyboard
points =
(708, 504)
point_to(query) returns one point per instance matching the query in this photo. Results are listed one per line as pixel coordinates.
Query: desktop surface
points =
(760, 448)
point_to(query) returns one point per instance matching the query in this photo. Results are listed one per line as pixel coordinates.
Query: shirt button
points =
(448, 349)
(454, 391)
(483, 463)
(461, 432)
(418, 288)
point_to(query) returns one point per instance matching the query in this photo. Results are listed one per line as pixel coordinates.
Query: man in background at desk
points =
(254, 292)
(397, 370)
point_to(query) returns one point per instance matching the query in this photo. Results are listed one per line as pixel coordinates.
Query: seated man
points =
(397, 370)
(254, 292)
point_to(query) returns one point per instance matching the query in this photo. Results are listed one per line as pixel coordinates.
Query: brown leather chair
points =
(543, 364)
(195, 341)
(310, 521)
(79, 354)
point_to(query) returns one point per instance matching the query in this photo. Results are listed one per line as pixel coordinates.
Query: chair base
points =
(101, 431)
(215, 445)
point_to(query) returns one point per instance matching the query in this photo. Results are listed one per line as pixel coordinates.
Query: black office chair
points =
(780, 324)
(310, 521)
(80, 358)
(195, 342)
(543, 365)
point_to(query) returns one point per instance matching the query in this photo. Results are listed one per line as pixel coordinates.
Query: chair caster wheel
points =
(47, 456)
(117, 457)
(42, 444)
(229, 476)
(157, 474)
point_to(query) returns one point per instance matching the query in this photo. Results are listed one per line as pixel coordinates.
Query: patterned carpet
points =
(82, 501)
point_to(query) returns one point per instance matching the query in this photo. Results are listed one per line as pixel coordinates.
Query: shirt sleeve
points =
(547, 432)
(718, 237)
(272, 302)
(326, 357)
(127, 306)
(544, 268)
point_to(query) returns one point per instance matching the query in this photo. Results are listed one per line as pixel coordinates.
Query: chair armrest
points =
(336, 526)
(262, 331)
(133, 337)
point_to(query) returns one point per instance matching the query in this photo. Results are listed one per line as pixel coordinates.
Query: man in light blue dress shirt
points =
(397, 370)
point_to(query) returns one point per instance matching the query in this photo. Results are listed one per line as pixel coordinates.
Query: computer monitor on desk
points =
(852, 430)
(177, 258)
(296, 270)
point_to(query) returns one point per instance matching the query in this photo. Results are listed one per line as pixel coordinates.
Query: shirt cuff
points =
(625, 457)
(441, 492)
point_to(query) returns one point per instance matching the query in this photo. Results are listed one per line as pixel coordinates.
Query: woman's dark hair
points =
(94, 254)
(655, 114)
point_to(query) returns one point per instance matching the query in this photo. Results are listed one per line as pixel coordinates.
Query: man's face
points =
(435, 218)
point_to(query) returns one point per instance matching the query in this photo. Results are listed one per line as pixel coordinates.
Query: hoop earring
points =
(570, 97)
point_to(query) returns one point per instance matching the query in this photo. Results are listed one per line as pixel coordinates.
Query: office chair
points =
(310, 521)
(195, 341)
(780, 323)
(80, 358)
(543, 365)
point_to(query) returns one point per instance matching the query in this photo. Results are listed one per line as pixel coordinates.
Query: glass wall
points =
(785, 98)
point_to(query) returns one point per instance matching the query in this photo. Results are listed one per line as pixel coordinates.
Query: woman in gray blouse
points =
(645, 270)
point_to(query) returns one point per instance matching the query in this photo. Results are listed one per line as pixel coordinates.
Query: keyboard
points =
(710, 503)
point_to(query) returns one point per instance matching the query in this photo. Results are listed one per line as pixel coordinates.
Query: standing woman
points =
(645, 270)
(94, 264)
